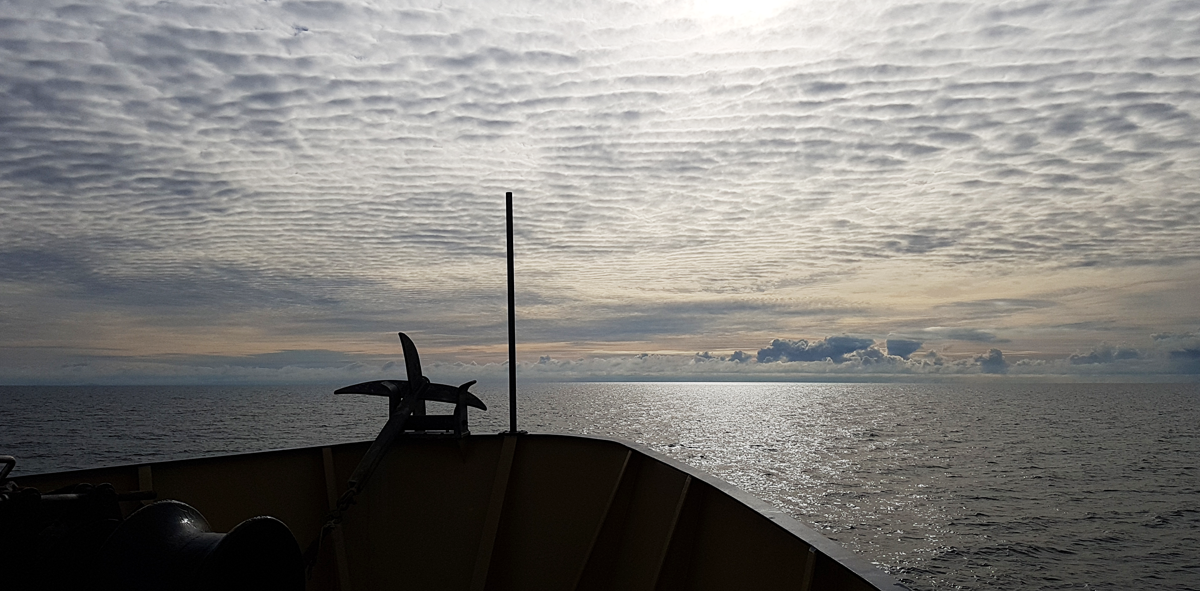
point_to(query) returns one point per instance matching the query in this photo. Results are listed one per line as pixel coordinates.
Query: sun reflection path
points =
(940, 485)
(804, 448)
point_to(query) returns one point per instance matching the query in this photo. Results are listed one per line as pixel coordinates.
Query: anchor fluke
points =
(407, 397)
(436, 392)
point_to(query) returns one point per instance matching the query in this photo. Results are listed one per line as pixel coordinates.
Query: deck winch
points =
(77, 538)
(169, 545)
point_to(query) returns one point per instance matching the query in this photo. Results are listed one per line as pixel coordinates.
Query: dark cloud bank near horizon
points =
(837, 358)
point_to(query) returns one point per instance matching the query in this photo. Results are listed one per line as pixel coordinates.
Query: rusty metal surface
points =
(561, 512)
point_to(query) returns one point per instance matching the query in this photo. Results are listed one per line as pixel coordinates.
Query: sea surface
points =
(944, 486)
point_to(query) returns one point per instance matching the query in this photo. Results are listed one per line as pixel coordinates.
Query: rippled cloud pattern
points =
(248, 178)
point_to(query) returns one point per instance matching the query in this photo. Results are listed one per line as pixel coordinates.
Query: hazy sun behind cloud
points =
(742, 11)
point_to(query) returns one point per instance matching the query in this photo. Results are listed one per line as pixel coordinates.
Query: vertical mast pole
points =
(512, 324)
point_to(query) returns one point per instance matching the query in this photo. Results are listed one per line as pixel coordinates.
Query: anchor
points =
(406, 399)
(406, 412)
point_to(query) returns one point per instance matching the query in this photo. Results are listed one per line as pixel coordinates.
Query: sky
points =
(267, 191)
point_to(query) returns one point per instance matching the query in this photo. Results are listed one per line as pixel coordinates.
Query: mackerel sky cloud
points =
(270, 189)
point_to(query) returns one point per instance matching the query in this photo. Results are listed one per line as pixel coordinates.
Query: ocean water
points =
(943, 486)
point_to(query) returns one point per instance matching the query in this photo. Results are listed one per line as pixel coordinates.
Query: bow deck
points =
(506, 512)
